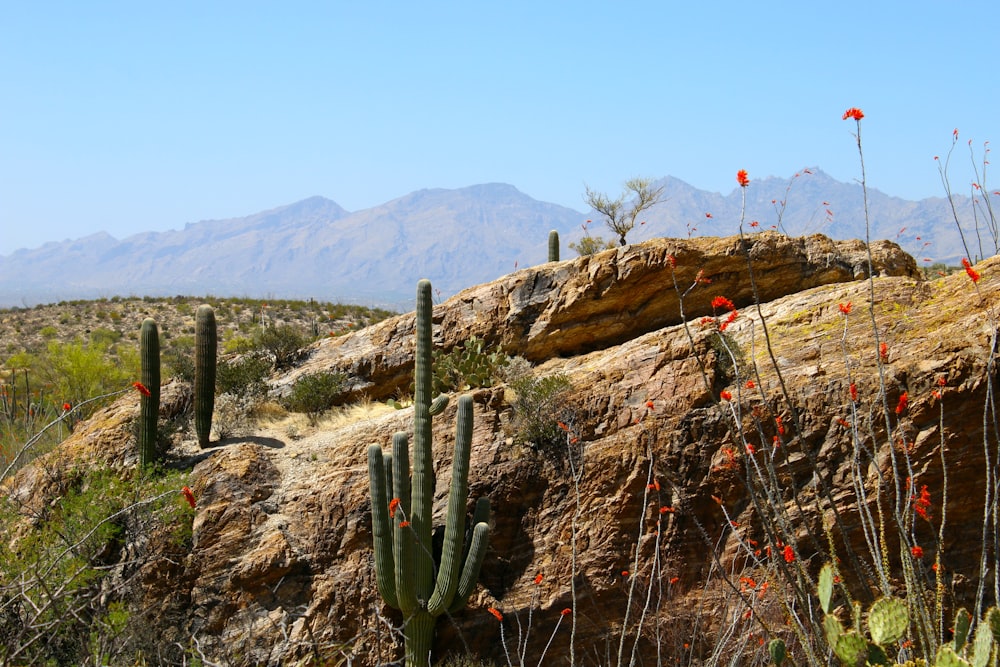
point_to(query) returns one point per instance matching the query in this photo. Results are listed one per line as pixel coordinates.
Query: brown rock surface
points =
(281, 561)
(593, 302)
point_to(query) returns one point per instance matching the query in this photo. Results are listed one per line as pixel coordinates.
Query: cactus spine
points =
(553, 246)
(205, 346)
(149, 405)
(404, 564)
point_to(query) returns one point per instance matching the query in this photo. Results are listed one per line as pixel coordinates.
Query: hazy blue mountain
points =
(457, 238)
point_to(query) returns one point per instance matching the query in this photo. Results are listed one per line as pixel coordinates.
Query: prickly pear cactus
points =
(888, 620)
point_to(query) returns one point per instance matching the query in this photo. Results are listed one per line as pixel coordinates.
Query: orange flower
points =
(404, 524)
(565, 612)
(904, 399)
(742, 178)
(708, 215)
(496, 613)
(674, 580)
(922, 503)
(973, 274)
(845, 308)
(854, 392)
(538, 578)
(563, 426)
(188, 495)
(666, 510)
(393, 505)
(883, 351)
(854, 113)
(917, 551)
(750, 384)
(725, 395)
(788, 554)
(649, 404)
(624, 573)
(722, 302)
(141, 388)
(67, 407)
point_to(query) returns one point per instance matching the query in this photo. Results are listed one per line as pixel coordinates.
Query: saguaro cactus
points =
(149, 403)
(401, 513)
(553, 246)
(205, 349)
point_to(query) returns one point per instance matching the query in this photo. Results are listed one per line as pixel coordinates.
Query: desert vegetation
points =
(807, 566)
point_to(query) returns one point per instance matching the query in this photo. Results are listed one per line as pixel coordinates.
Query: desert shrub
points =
(63, 584)
(179, 358)
(316, 393)
(283, 342)
(589, 245)
(233, 415)
(727, 349)
(469, 366)
(539, 405)
(245, 375)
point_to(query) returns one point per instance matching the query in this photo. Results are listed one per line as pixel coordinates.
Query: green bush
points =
(316, 393)
(245, 375)
(62, 589)
(539, 405)
(284, 342)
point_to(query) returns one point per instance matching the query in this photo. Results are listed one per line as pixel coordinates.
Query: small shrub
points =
(284, 342)
(316, 393)
(727, 349)
(245, 375)
(233, 417)
(539, 404)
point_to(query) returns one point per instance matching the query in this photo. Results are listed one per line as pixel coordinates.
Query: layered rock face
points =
(635, 516)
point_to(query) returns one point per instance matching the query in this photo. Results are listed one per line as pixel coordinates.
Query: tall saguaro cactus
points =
(401, 512)
(149, 403)
(205, 350)
(553, 246)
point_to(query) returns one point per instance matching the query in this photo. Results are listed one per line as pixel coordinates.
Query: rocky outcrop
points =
(593, 302)
(647, 490)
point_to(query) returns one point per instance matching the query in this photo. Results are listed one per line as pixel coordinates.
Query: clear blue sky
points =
(135, 116)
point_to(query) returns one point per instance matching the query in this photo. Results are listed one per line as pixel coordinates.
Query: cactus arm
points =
(439, 404)
(387, 467)
(149, 406)
(423, 461)
(454, 532)
(206, 348)
(385, 570)
(474, 561)
(404, 536)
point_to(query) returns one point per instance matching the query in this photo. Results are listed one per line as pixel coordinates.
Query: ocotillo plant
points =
(149, 403)
(205, 348)
(553, 246)
(401, 512)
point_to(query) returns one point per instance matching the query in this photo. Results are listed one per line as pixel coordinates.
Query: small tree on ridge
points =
(619, 217)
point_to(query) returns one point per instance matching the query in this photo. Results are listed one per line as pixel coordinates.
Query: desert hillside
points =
(674, 437)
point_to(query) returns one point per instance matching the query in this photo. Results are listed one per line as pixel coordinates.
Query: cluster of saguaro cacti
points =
(402, 512)
(205, 348)
(888, 622)
(149, 402)
(553, 246)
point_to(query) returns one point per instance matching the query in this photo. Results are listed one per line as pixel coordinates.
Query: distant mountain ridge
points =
(457, 238)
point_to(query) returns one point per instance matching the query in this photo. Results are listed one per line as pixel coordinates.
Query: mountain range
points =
(316, 249)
